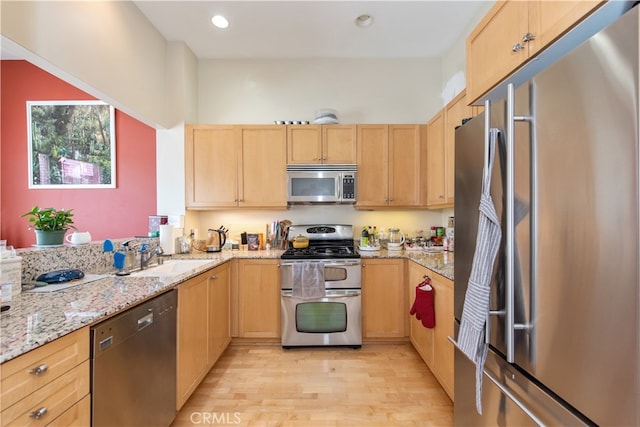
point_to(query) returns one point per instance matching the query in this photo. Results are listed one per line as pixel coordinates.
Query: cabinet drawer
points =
(79, 415)
(55, 358)
(53, 400)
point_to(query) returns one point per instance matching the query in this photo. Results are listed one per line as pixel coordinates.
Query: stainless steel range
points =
(321, 288)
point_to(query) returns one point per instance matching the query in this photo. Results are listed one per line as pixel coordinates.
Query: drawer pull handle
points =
(39, 369)
(37, 414)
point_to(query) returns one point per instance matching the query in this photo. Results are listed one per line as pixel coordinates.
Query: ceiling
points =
(314, 29)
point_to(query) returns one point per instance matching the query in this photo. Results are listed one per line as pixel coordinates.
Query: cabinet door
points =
(404, 165)
(211, 166)
(548, 20)
(219, 311)
(383, 301)
(436, 161)
(373, 170)
(339, 144)
(79, 415)
(264, 167)
(421, 337)
(455, 111)
(443, 349)
(490, 54)
(258, 298)
(59, 356)
(192, 351)
(304, 144)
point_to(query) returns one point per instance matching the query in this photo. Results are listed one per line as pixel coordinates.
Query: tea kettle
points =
(216, 240)
(396, 239)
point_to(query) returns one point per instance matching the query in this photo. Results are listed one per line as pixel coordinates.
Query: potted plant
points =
(50, 225)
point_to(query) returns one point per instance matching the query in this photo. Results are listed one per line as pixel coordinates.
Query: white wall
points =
(454, 63)
(182, 95)
(106, 48)
(361, 90)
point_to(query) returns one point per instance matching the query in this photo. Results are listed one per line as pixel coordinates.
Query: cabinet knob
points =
(528, 37)
(517, 47)
(214, 277)
(41, 369)
(38, 413)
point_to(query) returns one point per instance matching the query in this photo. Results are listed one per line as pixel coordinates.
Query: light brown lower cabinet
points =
(52, 381)
(433, 344)
(202, 327)
(258, 296)
(383, 298)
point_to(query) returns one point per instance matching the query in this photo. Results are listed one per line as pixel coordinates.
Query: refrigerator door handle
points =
(487, 169)
(487, 139)
(510, 325)
(504, 389)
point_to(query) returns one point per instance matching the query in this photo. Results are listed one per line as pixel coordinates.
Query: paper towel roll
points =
(167, 240)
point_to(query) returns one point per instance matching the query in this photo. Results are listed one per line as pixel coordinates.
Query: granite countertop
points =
(35, 319)
(439, 262)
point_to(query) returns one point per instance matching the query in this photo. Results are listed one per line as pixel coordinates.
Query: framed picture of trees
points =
(71, 144)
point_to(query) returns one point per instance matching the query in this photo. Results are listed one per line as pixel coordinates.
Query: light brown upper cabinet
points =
(263, 169)
(390, 158)
(235, 166)
(436, 162)
(315, 144)
(513, 32)
(441, 143)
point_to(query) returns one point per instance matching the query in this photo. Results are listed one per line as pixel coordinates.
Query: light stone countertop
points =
(35, 319)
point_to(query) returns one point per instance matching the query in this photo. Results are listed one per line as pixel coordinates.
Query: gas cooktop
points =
(325, 242)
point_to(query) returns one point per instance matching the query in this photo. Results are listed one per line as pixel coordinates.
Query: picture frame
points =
(71, 144)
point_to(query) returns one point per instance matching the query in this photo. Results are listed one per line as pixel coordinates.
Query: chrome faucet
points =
(146, 255)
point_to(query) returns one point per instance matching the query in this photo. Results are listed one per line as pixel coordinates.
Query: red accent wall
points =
(107, 212)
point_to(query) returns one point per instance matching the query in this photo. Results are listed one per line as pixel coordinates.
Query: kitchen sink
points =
(173, 267)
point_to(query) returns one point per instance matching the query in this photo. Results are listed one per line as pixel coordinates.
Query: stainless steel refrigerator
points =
(563, 333)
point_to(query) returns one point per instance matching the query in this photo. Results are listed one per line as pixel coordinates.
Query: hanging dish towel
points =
(471, 338)
(423, 306)
(308, 279)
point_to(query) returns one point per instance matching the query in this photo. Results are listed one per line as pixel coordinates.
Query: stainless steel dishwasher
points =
(133, 366)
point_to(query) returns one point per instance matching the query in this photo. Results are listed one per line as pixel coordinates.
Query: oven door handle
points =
(326, 264)
(343, 264)
(329, 294)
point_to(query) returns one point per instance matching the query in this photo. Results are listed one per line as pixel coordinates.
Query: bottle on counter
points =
(372, 236)
(383, 238)
(364, 237)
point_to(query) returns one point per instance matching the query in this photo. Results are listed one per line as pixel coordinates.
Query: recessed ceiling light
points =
(364, 20)
(220, 21)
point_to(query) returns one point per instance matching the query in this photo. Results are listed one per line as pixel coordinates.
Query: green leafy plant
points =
(50, 219)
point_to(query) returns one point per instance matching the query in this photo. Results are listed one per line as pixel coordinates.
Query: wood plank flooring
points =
(377, 385)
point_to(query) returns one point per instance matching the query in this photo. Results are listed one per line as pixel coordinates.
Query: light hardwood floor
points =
(377, 385)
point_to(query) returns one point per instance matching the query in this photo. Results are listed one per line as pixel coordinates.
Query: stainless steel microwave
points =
(321, 184)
